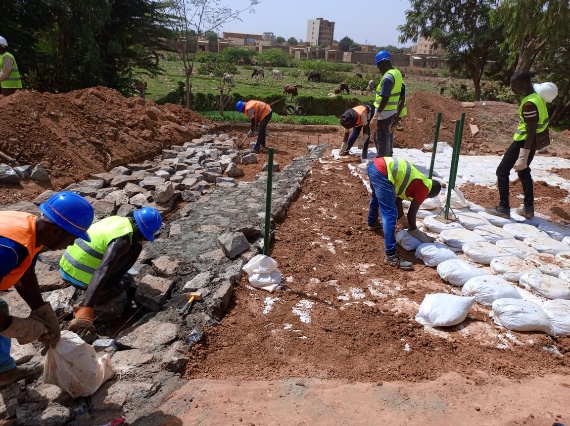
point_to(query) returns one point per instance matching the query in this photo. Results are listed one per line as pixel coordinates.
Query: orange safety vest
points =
(19, 227)
(360, 109)
(261, 109)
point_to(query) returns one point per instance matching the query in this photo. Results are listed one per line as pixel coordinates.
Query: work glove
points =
(416, 233)
(522, 162)
(394, 124)
(47, 316)
(26, 330)
(374, 124)
(362, 141)
(82, 323)
(403, 221)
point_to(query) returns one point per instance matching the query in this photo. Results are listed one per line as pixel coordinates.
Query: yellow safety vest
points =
(401, 173)
(82, 258)
(14, 81)
(394, 95)
(541, 126)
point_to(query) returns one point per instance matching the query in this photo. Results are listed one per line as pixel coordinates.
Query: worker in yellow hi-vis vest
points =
(10, 79)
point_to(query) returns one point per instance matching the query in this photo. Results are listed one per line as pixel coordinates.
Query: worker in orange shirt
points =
(259, 114)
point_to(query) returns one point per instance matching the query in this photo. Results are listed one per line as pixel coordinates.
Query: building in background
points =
(268, 36)
(255, 41)
(320, 32)
(427, 46)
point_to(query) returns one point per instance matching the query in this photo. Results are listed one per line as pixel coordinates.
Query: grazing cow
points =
(241, 62)
(314, 76)
(342, 87)
(359, 75)
(370, 87)
(228, 78)
(258, 72)
(292, 90)
(277, 74)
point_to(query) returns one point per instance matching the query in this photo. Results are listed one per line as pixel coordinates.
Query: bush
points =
(462, 95)
(325, 66)
(217, 68)
(332, 77)
(495, 91)
(234, 54)
(356, 83)
(277, 57)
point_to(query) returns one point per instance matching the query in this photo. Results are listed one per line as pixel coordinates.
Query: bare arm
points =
(412, 212)
(29, 289)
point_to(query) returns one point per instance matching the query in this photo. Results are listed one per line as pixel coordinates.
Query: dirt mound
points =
(88, 131)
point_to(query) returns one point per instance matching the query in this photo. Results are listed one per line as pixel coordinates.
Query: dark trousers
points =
(114, 286)
(261, 132)
(383, 138)
(504, 170)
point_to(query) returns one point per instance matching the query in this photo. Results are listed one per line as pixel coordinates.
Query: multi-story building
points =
(427, 46)
(320, 32)
(255, 41)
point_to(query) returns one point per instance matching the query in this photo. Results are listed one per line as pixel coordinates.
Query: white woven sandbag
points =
(565, 275)
(566, 240)
(458, 237)
(496, 220)
(432, 203)
(547, 285)
(517, 248)
(564, 259)
(521, 315)
(488, 288)
(458, 272)
(443, 310)
(493, 233)
(434, 225)
(483, 252)
(457, 200)
(545, 263)
(432, 254)
(558, 313)
(546, 244)
(476, 208)
(510, 267)
(472, 220)
(422, 214)
(406, 241)
(557, 231)
(521, 230)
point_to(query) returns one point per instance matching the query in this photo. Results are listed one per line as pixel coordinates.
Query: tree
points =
(346, 44)
(211, 36)
(276, 57)
(280, 40)
(462, 28)
(292, 41)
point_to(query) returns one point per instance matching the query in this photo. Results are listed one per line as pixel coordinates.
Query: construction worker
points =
(99, 265)
(402, 111)
(356, 118)
(65, 216)
(388, 94)
(260, 114)
(393, 180)
(10, 79)
(531, 134)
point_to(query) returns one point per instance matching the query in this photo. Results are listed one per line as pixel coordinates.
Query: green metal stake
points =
(435, 138)
(456, 152)
(268, 202)
(452, 169)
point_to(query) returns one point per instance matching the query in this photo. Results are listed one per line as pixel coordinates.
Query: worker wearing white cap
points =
(10, 79)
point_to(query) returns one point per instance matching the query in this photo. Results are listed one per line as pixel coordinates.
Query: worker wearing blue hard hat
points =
(99, 264)
(64, 217)
(259, 114)
(389, 104)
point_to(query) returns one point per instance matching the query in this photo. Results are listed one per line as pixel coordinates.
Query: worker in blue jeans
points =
(393, 180)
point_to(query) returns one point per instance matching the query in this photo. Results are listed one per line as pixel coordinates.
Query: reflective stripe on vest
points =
(82, 259)
(402, 173)
(21, 228)
(394, 95)
(261, 109)
(360, 109)
(14, 81)
(541, 125)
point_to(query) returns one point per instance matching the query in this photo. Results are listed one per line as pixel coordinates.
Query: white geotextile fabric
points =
(546, 244)
(472, 220)
(510, 267)
(421, 214)
(547, 285)
(458, 272)
(406, 241)
(443, 309)
(432, 204)
(458, 237)
(496, 220)
(517, 248)
(432, 254)
(564, 275)
(521, 315)
(488, 288)
(483, 252)
(434, 225)
(522, 230)
(545, 263)
(493, 233)
(566, 240)
(558, 313)
(476, 208)
(564, 259)
(457, 200)
(555, 230)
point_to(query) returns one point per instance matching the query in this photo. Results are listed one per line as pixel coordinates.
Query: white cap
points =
(3, 42)
(547, 91)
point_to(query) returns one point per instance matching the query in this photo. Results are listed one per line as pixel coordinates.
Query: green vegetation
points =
(236, 117)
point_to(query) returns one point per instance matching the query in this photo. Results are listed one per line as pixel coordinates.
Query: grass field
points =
(236, 117)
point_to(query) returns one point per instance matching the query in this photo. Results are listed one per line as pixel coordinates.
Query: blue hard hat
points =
(240, 106)
(69, 211)
(383, 55)
(149, 221)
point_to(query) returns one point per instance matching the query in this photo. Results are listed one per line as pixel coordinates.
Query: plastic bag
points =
(434, 225)
(483, 252)
(458, 237)
(472, 220)
(517, 248)
(545, 263)
(434, 253)
(443, 310)
(493, 233)
(260, 264)
(406, 241)
(566, 240)
(548, 286)
(521, 315)
(457, 200)
(555, 230)
(558, 313)
(564, 259)
(511, 268)
(522, 230)
(458, 272)
(73, 365)
(546, 245)
(488, 288)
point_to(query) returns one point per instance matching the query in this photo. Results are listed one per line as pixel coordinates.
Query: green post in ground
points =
(268, 202)
(451, 170)
(435, 138)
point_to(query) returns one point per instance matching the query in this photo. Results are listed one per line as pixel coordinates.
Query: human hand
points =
(82, 323)
(422, 236)
(403, 221)
(522, 161)
(47, 316)
(374, 124)
(25, 330)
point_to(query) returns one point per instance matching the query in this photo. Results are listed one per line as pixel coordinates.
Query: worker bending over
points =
(100, 264)
(393, 180)
(259, 114)
(356, 118)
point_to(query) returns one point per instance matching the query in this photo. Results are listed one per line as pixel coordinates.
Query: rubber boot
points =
(24, 371)
(343, 149)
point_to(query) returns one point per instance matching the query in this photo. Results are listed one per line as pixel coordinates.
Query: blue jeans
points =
(384, 139)
(6, 361)
(383, 197)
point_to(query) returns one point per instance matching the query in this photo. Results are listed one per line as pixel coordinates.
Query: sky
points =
(365, 22)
